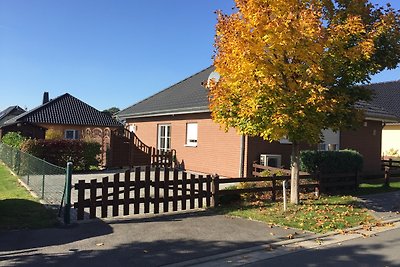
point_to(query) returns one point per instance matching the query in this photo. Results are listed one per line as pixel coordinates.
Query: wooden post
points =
(273, 188)
(93, 195)
(81, 199)
(357, 179)
(215, 190)
(184, 187)
(127, 191)
(115, 196)
(387, 175)
(104, 197)
(157, 190)
(136, 204)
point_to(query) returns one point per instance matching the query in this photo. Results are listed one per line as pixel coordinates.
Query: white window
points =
(191, 134)
(164, 137)
(71, 134)
(331, 140)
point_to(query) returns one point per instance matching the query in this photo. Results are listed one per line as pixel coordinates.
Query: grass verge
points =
(326, 214)
(18, 208)
(376, 188)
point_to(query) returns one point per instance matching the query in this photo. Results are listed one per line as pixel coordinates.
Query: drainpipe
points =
(242, 150)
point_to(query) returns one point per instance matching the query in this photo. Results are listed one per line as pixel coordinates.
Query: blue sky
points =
(106, 53)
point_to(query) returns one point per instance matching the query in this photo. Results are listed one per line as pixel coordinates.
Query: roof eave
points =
(164, 113)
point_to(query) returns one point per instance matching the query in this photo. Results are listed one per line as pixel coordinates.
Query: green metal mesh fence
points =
(46, 180)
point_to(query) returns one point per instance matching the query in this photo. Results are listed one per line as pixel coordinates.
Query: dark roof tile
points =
(188, 96)
(66, 109)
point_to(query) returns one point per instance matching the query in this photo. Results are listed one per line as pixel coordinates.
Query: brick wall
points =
(216, 151)
(366, 140)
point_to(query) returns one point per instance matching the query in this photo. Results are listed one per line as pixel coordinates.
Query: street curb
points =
(269, 245)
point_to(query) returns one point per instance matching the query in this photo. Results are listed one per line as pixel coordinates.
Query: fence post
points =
(357, 179)
(43, 178)
(215, 190)
(387, 175)
(273, 187)
(68, 187)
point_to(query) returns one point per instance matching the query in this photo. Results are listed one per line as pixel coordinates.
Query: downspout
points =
(242, 151)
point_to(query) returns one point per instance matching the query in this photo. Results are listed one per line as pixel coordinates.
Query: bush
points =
(13, 139)
(331, 161)
(58, 152)
(52, 134)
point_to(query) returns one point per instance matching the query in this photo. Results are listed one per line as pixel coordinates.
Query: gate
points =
(140, 192)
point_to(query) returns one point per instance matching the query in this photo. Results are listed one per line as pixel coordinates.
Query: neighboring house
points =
(9, 113)
(179, 118)
(28, 129)
(66, 114)
(387, 95)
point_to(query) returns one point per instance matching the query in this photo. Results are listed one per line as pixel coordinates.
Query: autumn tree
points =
(288, 68)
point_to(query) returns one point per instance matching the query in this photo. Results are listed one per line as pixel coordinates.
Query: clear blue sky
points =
(106, 53)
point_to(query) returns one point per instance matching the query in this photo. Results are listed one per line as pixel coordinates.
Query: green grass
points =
(372, 188)
(18, 208)
(326, 214)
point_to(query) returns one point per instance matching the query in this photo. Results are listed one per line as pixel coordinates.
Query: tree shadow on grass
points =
(26, 224)
(25, 214)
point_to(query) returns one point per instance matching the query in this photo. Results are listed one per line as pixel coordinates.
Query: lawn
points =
(18, 208)
(376, 188)
(323, 215)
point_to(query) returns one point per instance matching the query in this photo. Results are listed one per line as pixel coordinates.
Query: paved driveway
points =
(384, 206)
(146, 241)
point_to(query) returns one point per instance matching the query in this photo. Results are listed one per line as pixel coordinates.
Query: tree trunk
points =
(294, 180)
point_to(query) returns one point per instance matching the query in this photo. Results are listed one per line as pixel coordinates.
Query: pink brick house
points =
(179, 118)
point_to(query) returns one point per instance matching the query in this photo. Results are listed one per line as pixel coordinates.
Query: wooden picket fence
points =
(157, 190)
(146, 192)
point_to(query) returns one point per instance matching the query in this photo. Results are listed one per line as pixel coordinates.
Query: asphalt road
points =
(380, 250)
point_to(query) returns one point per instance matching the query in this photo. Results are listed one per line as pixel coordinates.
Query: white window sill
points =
(190, 145)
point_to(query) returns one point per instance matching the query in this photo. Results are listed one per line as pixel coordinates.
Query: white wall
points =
(390, 138)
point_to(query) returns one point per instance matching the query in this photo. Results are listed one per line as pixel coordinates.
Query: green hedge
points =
(331, 161)
(81, 153)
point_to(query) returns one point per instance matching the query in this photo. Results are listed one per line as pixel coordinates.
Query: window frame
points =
(75, 134)
(166, 137)
(190, 141)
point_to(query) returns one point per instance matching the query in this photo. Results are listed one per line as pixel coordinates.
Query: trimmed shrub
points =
(81, 153)
(13, 139)
(331, 161)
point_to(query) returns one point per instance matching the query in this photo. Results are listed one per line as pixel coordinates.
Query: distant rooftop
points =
(68, 110)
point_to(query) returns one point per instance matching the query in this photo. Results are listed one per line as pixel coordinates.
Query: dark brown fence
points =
(389, 166)
(164, 190)
(127, 150)
(143, 192)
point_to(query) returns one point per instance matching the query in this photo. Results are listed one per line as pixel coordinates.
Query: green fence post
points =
(68, 187)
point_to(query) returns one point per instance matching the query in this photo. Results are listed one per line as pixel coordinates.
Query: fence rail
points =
(46, 180)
